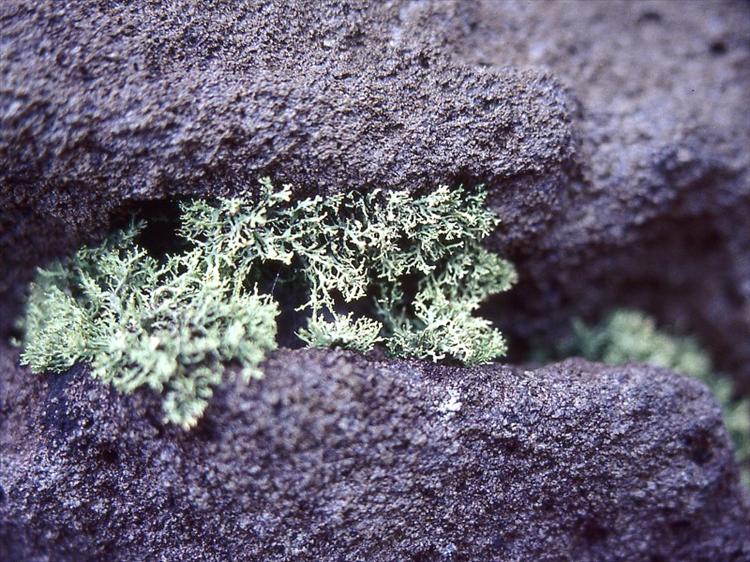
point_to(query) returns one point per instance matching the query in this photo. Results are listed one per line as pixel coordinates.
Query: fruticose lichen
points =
(378, 267)
(630, 335)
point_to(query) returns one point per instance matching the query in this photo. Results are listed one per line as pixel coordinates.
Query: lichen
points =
(377, 267)
(139, 322)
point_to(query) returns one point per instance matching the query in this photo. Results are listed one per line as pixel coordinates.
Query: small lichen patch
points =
(451, 404)
(169, 326)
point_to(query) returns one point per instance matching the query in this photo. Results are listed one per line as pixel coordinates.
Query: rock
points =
(655, 214)
(612, 142)
(333, 456)
(105, 107)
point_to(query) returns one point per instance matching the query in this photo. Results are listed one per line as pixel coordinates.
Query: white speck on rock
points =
(451, 404)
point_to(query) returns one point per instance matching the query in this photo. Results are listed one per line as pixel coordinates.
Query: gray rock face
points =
(104, 107)
(335, 457)
(613, 141)
(656, 215)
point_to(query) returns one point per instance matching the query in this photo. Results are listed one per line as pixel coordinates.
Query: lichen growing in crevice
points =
(368, 268)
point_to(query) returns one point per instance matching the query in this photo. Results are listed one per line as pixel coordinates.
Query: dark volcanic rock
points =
(335, 457)
(613, 139)
(103, 106)
(658, 216)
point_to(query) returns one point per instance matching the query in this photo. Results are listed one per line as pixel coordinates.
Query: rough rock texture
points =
(657, 215)
(612, 134)
(614, 141)
(335, 457)
(104, 105)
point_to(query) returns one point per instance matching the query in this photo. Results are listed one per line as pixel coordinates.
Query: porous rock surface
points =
(613, 140)
(336, 457)
(656, 212)
(106, 105)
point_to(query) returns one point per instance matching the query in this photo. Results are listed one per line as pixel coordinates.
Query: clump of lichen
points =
(377, 267)
(629, 335)
(169, 325)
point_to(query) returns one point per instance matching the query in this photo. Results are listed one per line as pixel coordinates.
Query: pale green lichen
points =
(629, 335)
(352, 247)
(139, 322)
(447, 300)
(382, 266)
(359, 334)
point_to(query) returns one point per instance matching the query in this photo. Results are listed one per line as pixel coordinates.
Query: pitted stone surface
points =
(333, 456)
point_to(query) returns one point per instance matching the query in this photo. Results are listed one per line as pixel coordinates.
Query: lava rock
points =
(106, 106)
(655, 214)
(611, 139)
(332, 456)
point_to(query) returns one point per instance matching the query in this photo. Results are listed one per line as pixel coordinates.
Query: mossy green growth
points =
(377, 267)
(167, 325)
(630, 335)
